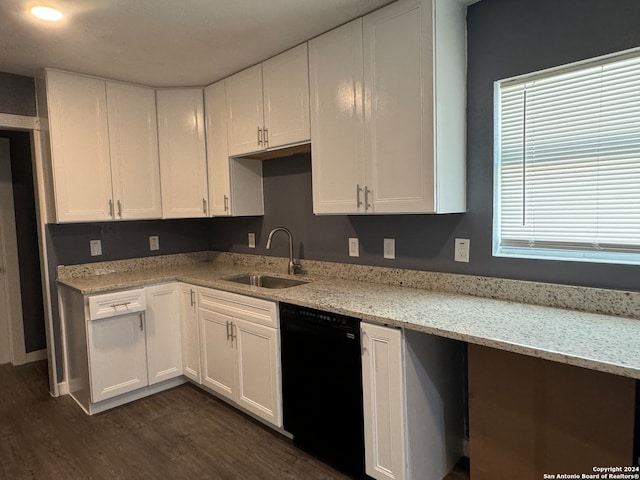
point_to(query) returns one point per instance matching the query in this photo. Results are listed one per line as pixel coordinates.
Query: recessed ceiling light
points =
(46, 13)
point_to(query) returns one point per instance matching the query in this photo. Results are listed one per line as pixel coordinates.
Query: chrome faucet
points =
(293, 266)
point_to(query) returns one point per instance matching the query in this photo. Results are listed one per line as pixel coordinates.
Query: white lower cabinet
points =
(240, 351)
(121, 346)
(413, 412)
(164, 346)
(218, 352)
(117, 355)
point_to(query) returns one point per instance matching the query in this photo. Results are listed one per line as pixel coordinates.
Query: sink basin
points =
(265, 281)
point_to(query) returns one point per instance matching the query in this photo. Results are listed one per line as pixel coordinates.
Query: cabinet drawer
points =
(117, 303)
(263, 312)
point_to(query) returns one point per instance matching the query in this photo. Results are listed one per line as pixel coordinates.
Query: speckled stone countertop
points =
(607, 343)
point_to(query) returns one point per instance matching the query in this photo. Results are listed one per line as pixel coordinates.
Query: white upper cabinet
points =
(413, 109)
(337, 126)
(79, 147)
(235, 185)
(104, 149)
(245, 106)
(183, 157)
(285, 80)
(268, 104)
(133, 140)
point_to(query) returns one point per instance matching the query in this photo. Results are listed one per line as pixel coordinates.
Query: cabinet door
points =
(215, 106)
(164, 341)
(79, 147)
(337, 126)
(117, 355)
(398, 108)
(133, 138)
(190, 333)
(285, 80)
(218, 354)
(245, 119)
(259, 374)
(183, 158)
(383, 391)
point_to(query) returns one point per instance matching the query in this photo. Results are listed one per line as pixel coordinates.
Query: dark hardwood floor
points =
(182, 433)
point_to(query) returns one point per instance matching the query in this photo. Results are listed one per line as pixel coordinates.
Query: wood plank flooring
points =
(182, 433)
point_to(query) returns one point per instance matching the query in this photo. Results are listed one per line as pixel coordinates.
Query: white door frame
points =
(43, 207)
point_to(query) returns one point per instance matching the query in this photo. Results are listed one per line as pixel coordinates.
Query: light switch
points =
(96, 247)
(154, 243)
(389, 248)
(252, 240)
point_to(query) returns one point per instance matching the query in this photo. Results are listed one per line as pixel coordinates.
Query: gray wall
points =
(17, 95)
(505, 38)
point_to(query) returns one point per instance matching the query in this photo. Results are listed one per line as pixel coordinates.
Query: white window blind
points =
(568, 163)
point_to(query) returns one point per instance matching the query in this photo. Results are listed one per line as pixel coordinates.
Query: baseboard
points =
(36, 356)
(63, 388)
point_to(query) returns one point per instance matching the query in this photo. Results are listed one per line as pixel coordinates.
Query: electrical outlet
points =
(154, 243)
(96, 247)
(252, 240)
(354, 247)
(461, 253)
(389, 248)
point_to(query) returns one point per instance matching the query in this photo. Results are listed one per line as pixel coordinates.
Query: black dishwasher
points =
(322, 385)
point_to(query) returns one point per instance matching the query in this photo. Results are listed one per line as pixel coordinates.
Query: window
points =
(567, 175)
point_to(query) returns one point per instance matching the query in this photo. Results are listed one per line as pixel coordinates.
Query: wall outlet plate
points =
(252, 240)
(154, 242)
(389, 248)
(461, 252)
(354, 247)
(95, 246)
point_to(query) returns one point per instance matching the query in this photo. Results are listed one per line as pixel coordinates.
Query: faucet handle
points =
(294, 267)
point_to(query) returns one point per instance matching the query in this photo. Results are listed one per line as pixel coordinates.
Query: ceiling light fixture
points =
(46, 13)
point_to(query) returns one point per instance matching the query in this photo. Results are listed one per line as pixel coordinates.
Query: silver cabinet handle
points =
(110, 208)
(266, 137)
(119, 208)
(259, 136)
(123, 304)
(192, 295)
(204, 206)
(233, 327)
(358, 190)
(228, 334)
(141, 326)
(367, 192)
(226, 203)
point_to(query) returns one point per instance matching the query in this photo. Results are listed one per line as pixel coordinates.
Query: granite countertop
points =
(599, 342)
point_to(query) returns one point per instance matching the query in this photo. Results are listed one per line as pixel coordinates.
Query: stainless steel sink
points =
(265, 281)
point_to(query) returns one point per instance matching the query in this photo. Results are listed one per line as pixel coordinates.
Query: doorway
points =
(9, 298)
(22, 324)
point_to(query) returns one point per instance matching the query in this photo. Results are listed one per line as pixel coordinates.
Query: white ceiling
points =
(163, 42)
